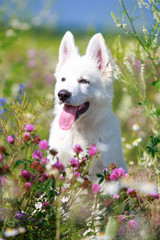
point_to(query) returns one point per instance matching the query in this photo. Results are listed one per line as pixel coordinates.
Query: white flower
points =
(146, 187)
(10, 33)
(21, 230)
(135, 127)
(136, 141)
(10, 232)
(111, 188)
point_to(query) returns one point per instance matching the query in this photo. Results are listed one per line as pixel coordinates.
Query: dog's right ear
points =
(67, 48)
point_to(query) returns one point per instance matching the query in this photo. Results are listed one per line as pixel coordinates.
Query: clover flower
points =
(74, 162)
(92, 150)
(59, 166)
(76, 174)
(95, 188)
(43, 145)
(132, 224)
(37, 154)
(27, 186)
(1, 158)
(77, 148)
(29, 127)
(122, 218)
(26, 174)
(116, 196)
(10, 139)
(155, 195)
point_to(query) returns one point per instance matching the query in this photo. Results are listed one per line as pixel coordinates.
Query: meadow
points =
(31, 194)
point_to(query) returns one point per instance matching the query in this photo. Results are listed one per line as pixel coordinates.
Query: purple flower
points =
(44, 177)
(45, 205)
(77, 148)
(132, 224)
(43, 145)
(59, 166)
(122, 218)
(31, 63)
(10, 139)
(26, 174)
(113, 176)
(74, 162)
(155, 195)
(19, 215)
(92, 150)
(27, 186)
(139, 199)
(29, 127)
(116, 196)
(44, 160)
(1, 158)
(31, 53)
(76, 174)
(95, 188)
(37, 154)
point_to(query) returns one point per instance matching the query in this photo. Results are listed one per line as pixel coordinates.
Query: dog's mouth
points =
(70, 114)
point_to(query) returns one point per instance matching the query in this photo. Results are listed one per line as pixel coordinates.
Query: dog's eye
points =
(63, 79)
(84, 81)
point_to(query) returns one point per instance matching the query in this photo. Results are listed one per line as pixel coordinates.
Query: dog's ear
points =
(98, 51)
(67, 48)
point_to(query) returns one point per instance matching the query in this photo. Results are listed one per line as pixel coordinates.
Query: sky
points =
(72, 13)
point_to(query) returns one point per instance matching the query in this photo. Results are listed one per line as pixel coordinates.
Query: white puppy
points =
(83, 102)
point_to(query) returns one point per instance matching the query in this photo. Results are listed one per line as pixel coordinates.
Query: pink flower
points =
(44, 160)
(26, 174)
(31, 63)
(10, 139)
(95, 188)
(122, 218)
(37, 154)
(1, 158)
(3, 180)
(85, 158)
(29, 127)
(44, 177)
(77, 148)
(26, 136)
(92, 150)
(155, 195)
(43, 145)
(76, 174)
(139, 199)
(105, 169)
(59, 166)
(74, 162)
(45, 205)
(132, 224)
(122, 230)
(31, 53)
(130, 190)
(119, 172)
(27, 186)
(113, 176)
(115, 196)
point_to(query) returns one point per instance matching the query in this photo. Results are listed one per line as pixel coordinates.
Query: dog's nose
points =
(64, 95)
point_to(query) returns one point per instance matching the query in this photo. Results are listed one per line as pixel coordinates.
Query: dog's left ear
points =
(98, 51)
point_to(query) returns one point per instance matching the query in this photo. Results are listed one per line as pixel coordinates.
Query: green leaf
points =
(99, 175)
(101, 180)
(127, 207)
(111, 228)
(17, 163)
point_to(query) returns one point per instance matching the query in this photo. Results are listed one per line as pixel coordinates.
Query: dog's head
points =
(82, 82)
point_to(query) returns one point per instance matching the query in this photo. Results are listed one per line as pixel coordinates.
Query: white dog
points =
(83, 98)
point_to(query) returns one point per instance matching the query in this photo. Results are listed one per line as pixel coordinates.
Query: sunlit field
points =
(59, 202)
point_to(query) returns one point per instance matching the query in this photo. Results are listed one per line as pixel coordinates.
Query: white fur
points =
(98, 125)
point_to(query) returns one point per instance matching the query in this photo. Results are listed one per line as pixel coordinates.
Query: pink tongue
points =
(67, 117)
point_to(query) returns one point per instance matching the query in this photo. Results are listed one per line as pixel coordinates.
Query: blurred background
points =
(30, 35)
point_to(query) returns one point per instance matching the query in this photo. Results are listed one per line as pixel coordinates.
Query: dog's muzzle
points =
(64, 95)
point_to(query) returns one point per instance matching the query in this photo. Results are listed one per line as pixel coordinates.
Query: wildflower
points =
(113, 176)
(92, 150)
(139, 199)
(107, 202)
(45, 205)
(29, 127)
(122, 218)
(43, 145)
(59, 166)
(135, 127)
(26, 137)
(36, 139)
(136, 141)
(10, 139)
(19, 215)
(31, 53)
(112, 166)
(1, 158)
(119, 172)
(116, 196)
(155, 195)
(76, 174)
(77, 148)
(2, 181)
(27, 186)
(95, 188)
(44, 160)
(26, 174)
(131, 192)
(37, 154)
(74, 162)
(44, 177)
(21, 230)
(2, 102)
(31, 63)
(10, 232)
(132, 224)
